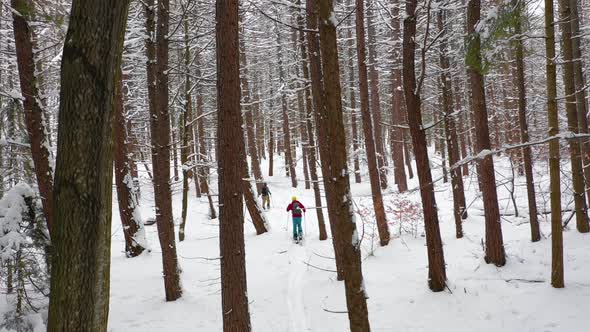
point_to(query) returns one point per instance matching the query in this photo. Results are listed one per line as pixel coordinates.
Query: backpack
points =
(295, 208)
(265, 191)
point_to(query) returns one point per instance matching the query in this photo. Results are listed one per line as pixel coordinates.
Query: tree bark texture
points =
(523, 125)
(397, 101)
(494, 245)
(374, 175)
(436, 261)
(459, 205)
(285, 116)
(313, 162)
(234, 290)
(374, 95)
(161, 145)
(319, 101)
(572, 116)
(336, 178)
(80, 272)
(126, 190)
(554, 168)
(34, 116)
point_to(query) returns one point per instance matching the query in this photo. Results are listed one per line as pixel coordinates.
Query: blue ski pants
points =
(297, 230)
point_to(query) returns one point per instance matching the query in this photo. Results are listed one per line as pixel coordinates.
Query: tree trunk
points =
(436, 261)
(382, 225)
(353, 110)
(285, 115)
(252, 144)
(580, 88)
(310, 130)
(494, 242)
(36, 126)
(572, 117)
(160, 119)
(300, 114)
(319, 101)
(83, 178)
(336, 178)
(203, 170)
(126, 190)
(554, 171)
(234, 290)
(522, 121)
(459, 205)
(397, 101)
(185, 132)
(463, 134)
(271, 138)
(375, 98)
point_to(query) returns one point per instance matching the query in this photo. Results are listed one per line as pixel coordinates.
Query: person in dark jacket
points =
(297, 209)
(265, 196)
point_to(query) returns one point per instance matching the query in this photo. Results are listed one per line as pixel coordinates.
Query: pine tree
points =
(23, 12)
(234, 293)
(494, 244)
(83, 175)
(554, 168)
(336, 178)
(436, 262)
(368, 127)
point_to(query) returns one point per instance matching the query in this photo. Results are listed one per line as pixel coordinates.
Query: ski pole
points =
(305, 223)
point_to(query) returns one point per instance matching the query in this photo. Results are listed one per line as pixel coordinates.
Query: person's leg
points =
(297, 227)
(267, 201)
(294, 228)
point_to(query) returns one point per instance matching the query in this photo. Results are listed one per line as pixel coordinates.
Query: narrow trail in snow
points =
(295, 303)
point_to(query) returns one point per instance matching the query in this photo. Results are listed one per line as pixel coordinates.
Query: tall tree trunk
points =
(436, 262)
(494, 245)
(580, 88)
(572, 116)
(203, 170)
(554, 168)
(161, 158)
(185, 132)
(397, 101)
(336, 178)
(463, 134)
(523, 125)
(319, 101)
(234, 290)
(252, 144)
(408, 147)
(271, 137)
(84, 170)
(353, 110)
(375, 98)
(285, 115)
(300, 114)
(310, 130)
(382, 225)
(126, 190)
(459, 205)
(36, 126)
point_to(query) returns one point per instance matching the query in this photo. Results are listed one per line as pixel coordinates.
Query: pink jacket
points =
(301, 207)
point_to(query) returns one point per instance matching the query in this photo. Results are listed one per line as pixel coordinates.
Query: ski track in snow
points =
(295, 303)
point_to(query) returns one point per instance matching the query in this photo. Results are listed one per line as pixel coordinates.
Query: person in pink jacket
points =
(297, 209)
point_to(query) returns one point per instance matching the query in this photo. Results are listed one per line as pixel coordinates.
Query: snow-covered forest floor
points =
(290, 290)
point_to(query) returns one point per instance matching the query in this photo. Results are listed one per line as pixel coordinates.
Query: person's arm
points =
(302, 206)
(289, 207)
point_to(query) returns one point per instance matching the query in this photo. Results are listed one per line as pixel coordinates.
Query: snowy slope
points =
(288, 293)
